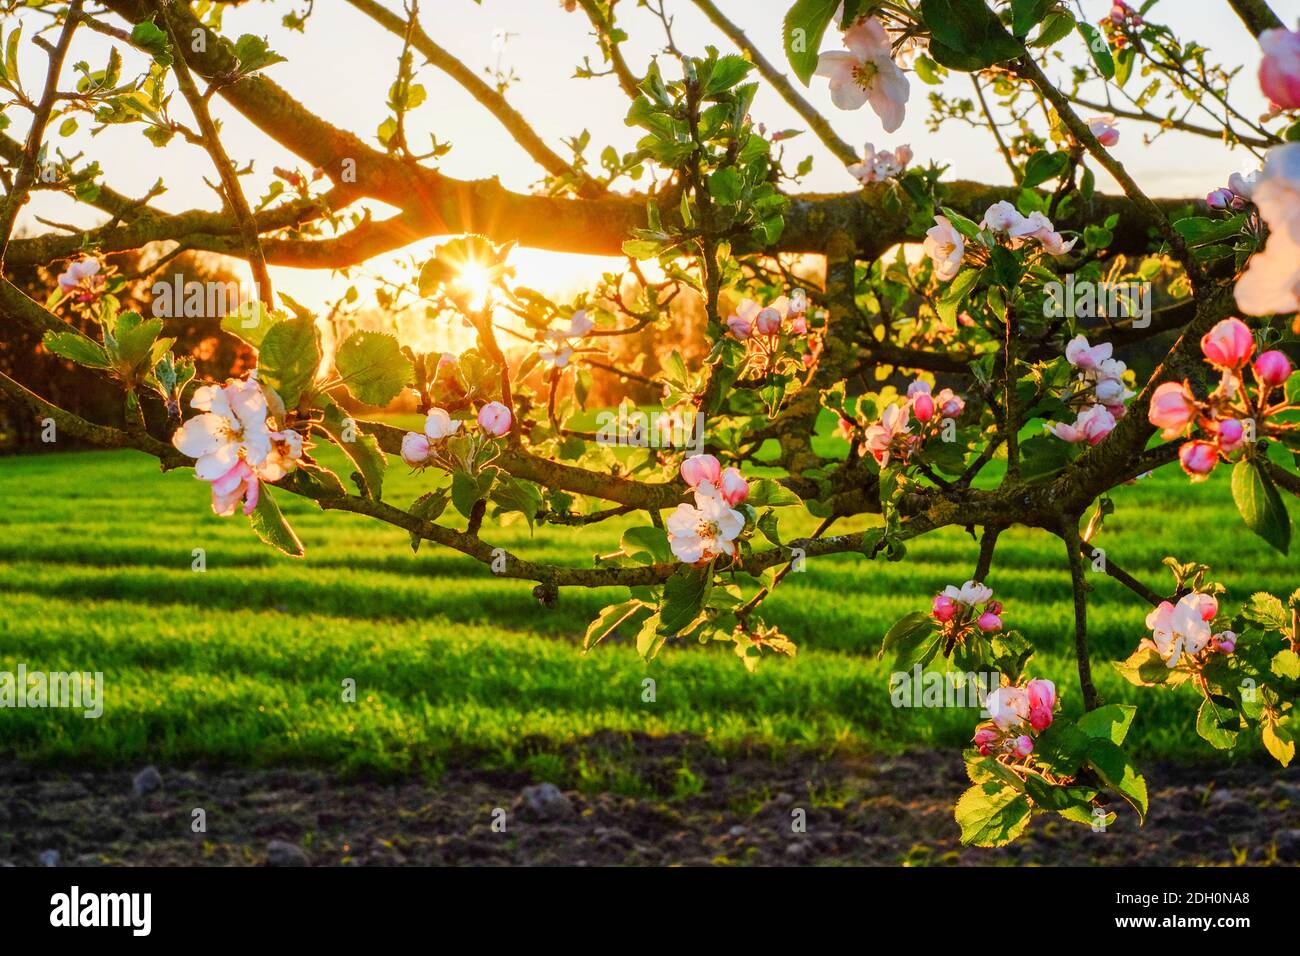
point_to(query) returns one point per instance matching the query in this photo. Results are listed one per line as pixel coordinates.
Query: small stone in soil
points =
(546, 802)
(49, 858)
(281, 853)
(147, 781)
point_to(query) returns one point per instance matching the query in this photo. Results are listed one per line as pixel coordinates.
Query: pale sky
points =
(343, 66)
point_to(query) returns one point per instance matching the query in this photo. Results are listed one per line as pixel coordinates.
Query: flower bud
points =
(1272, 367)
(700, 468)
(415, 449)
(989, 622)
(1198, 458)
(494, 418)
(1022, 746)
(943, 608)
(1228, 345)
(1231, 434)
(768, 322)
(734, 487)
(1172, 408)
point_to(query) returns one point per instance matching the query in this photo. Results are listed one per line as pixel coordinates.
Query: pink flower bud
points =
(739, 327)
(1272, 367)
(768, 322)
(1279, 72)
(1022, 746)
(1208, 605)
(734, 487)
(994, 606)
(799, 324)
(1231, 434)
(1225, 642)
(415, 449)
(1198, 459)
(986, 739)
(943, 609)
(1172, 408)
(1221, 198)
(923, 406)
(699, 468)
(494, 418)
(1042, 701)
(1228, 345)
(989, 622)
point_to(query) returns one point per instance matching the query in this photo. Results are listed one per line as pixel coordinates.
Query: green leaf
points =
(149, 36)
(1098, 48)
(1119, 773)
(966, 35)
(950, 302)
(608, 621)
(1109, 723)
(907, 630)
(254, 54)
(648, 639)
(1217, 724)
(362, 450)
(289, 357)
(1286, 663)
(1061, 748)
(1260, 504)
(467, 489)
(1279, 740)
(1042, 166)
(271, 527)
(252, 323)
(725, 185)
(514, 494)
(1026, 13)
(429, 506)
(76, 347)
(765, 492)
(991, 814)
(373, 367)
(646, 545)
(684, 596)
(804, 26)
(135, 338)
(1267, 611)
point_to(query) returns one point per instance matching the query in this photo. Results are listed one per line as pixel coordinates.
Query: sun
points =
(475, 281)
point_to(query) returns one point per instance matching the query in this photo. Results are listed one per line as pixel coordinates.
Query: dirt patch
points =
(671, 804)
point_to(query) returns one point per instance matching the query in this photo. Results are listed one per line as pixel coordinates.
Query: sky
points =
(344, 64)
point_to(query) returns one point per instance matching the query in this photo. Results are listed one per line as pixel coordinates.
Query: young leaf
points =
(373, 367)
(991, 814)
(1260, 504)
(289, 357)
(271, 527)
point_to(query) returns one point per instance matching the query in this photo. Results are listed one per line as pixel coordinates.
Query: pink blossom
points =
(1008, 706)
(1231, 435)
(1225, 642)
(878, 166)
(950, 404)
(768, 322)
(922, 400)
(989, 622)
(1103, 127)
(880, 438)
(985, 739)
(1272, 367)
(1271, 282)
(945, 246)
(1172, 408)
(1042, 701)
(1092, 425)
(82, 280)
(240, 483)
(1084, 356)
(1198, 459)
(799, 324)
(1279, 72)
(866, 73)
(734, 487)
(699, 468)
(494, 418)
(943, 608)
(415, 449)
(1022, 746)
(1228, 345)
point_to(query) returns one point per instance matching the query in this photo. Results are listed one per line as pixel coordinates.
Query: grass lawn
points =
(244, 663)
